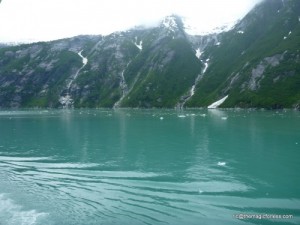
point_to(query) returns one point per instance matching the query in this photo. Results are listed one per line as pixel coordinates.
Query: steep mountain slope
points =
(137, 68)
(257, 63)
(35, 74)
(164, 70)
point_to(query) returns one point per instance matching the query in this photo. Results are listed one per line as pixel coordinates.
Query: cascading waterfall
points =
(191, 92)
(66, 99)
(123, 87)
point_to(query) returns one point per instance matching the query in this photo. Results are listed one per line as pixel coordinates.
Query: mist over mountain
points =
(255, 64)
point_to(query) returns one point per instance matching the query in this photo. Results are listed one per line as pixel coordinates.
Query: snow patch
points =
(218, 43)
(198, 53)
(284, 37)
(170, 23)
(290, 32)
(217, 103)
(138, 45)
(192, 27)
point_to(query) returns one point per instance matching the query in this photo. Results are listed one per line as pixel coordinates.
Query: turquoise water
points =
(149, 167)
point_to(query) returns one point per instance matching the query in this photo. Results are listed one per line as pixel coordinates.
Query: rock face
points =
(256, 64)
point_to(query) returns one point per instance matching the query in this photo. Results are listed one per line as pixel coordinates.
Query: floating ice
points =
(161, 118)
(221, 163)
(181, 116)
(240, 32)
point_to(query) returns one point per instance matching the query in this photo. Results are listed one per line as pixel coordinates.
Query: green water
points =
(87, 167)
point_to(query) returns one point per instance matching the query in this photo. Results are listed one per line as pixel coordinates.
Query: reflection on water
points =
(131, 167)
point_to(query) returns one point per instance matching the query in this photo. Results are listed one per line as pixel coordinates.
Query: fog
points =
(43, 20)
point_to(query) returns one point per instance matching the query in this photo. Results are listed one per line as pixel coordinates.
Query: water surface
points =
(148, 166)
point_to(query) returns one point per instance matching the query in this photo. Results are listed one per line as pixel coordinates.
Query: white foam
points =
(24, 159)
(13, 214)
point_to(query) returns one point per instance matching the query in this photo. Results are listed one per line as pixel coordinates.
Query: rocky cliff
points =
(255, 64)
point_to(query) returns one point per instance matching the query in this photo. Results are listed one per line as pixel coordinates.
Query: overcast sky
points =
(36, 20)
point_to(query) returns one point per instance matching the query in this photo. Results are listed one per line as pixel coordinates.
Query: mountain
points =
(255, 64)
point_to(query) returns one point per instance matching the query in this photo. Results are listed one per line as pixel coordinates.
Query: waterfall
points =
(66, 99)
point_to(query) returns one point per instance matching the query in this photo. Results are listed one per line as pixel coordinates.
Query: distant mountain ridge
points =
(256, 64)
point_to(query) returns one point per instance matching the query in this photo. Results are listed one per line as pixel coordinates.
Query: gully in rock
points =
(65, 99)
(124, 88)
(191, 92)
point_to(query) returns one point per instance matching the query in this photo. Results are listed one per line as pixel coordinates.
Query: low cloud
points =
(48, 20)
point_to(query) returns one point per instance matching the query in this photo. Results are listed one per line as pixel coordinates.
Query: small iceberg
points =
(221, 163)
(217, 103)
(181, 116)
(161, 118)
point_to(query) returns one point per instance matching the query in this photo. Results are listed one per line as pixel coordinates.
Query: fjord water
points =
(149, 166)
